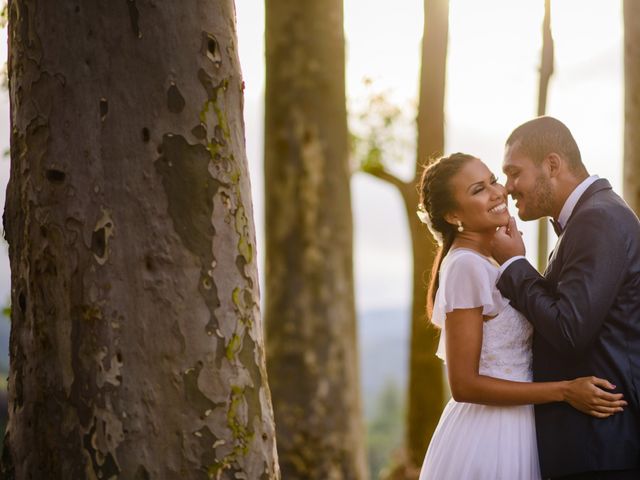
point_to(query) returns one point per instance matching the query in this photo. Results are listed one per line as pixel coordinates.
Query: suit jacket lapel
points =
(597, 186)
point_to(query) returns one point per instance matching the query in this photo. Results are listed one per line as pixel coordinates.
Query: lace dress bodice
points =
(506, 346)
(468, 280)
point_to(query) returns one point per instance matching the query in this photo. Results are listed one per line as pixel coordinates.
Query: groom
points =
(586, 307)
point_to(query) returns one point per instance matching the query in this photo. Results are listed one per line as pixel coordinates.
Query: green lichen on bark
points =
(241, 434)
(244, 246)
(218, 130)
(233, 346)
(235, 296)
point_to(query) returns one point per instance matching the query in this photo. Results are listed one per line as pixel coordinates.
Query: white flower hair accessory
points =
(424, 217)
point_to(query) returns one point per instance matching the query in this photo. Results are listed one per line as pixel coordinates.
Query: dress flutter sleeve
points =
(467, 280)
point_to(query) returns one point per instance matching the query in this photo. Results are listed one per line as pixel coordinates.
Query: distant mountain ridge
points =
(383, 342)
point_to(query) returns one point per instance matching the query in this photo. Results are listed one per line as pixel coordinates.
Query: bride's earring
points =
(460, 227)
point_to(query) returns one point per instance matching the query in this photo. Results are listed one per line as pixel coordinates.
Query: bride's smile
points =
(481, 202)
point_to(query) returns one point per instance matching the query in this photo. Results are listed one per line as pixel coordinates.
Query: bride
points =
(487, 430)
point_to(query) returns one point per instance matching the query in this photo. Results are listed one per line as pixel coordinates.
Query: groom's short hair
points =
(541, 136)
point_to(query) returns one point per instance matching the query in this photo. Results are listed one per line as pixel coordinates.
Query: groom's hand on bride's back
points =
(507, 242)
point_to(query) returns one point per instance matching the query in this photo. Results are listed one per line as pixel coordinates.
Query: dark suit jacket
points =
(586, 314)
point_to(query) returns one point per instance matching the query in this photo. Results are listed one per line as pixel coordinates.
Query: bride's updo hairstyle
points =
(437, 198)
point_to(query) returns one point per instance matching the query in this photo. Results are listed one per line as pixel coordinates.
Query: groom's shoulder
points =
(605, 201)
(608, 213)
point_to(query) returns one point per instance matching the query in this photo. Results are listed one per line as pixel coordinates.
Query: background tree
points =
(136, 344)
(631, 169)
(546, 70)
(310, 309)
(426, 385)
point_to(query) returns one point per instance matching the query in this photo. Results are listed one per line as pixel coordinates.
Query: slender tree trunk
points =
(426, 387)
(136, 344)
(546, 70)
(310, 312)
(632, 104)
(427, 394)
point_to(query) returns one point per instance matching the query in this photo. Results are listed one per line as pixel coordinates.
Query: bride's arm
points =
(464, 344)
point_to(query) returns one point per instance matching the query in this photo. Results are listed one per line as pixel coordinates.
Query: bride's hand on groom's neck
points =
(507, 242)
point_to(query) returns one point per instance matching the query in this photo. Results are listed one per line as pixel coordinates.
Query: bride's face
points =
(481, 200)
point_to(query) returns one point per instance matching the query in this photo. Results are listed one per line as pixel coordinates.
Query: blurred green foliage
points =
(4, 14)
(4, 415)
(382, 133)
(385, 430)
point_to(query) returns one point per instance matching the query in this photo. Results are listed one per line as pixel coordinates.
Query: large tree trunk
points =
(136, 344)
(310, 313)
(426, 387)
(632, 104)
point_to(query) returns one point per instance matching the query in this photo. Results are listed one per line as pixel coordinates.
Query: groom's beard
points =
(539, 201)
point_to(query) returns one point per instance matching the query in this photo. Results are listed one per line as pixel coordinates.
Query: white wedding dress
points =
(481, 442)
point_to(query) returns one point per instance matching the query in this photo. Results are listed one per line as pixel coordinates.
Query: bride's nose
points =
(498, 191)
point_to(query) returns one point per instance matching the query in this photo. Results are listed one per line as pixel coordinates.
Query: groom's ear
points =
(554, 164)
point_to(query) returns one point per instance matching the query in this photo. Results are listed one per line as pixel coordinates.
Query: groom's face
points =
(528, 185)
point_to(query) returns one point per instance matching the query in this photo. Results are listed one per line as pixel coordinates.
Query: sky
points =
(492, 82)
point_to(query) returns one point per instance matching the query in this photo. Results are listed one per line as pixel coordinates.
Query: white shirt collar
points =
(572, 200)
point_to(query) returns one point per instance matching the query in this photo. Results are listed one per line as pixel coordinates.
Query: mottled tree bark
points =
(310, 313)
(631, 182)
(136, 344)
